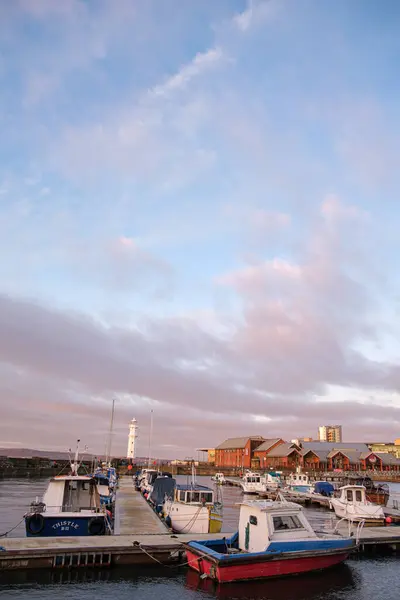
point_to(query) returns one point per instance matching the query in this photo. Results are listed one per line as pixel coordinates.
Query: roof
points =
(283, 450)
(352, 454)
(328, 446)
(267, 444)
(387, 459)
(271, 505)
(322, 454)
(239, 442)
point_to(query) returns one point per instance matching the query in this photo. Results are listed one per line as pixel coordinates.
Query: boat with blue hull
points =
(71, 506)
(274, 539)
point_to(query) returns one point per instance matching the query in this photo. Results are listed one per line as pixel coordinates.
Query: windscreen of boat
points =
(163, 487)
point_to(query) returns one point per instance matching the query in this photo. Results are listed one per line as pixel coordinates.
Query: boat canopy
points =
(163, 487)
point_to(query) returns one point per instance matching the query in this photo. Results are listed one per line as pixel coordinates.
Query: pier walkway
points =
(132, 513)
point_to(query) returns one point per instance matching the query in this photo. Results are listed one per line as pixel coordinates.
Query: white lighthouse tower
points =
(133, 427)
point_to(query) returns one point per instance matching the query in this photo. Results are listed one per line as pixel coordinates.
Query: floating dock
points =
(133, 514)
(140, 539)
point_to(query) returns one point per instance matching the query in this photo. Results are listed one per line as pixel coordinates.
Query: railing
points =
(40, 507)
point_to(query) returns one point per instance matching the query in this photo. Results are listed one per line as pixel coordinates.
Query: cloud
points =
(200, 63)
(292, 340)
(256, 11)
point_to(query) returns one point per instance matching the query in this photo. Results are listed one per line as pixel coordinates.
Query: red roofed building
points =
(237, 452)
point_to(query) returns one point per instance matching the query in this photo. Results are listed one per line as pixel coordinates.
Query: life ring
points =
(35, 524)
(96, 526)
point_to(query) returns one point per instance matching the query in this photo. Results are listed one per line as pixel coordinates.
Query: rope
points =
(10, 530)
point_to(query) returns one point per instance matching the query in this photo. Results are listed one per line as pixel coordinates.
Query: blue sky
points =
(199, 200)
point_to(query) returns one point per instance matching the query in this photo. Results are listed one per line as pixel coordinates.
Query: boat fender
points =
(35, 524)
(96, 526)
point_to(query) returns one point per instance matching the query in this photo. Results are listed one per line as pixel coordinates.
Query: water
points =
(358, 579)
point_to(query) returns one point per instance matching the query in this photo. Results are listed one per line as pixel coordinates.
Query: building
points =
(237, 452)
(210, 452)
(263, 450)
(346, 456)
(330, 433)
(386, 447)
(133, 428)
(282, 455)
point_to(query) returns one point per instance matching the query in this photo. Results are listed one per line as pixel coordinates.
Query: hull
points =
(262, 569)
(374, 516)
(60, 526)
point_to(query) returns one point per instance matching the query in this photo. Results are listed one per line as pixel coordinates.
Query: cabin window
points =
(206, 498)
(287, 522)
(194, 497)
(349, 495)
(358, 496)
(182, 496)
(253, 520)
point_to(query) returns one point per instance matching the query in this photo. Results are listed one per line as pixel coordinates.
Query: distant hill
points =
(30, 453)
(53, 454)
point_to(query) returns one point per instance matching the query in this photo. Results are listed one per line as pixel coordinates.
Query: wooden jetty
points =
(133, 514)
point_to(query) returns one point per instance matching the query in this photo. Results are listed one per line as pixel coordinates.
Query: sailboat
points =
(71, 506)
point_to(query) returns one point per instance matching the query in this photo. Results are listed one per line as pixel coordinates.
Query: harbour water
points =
(359, 579)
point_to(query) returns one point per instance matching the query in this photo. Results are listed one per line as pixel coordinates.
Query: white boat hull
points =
(357, 512)
(189, 518)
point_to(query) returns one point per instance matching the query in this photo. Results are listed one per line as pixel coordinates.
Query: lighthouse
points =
(133, 427)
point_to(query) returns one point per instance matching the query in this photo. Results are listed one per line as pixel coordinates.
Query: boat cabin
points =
(250, 477)
(263, 522)
(352, 494)
(189, 494)
(71, 494)
(298, 479)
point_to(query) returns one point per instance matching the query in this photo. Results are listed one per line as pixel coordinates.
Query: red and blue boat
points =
(274, 539)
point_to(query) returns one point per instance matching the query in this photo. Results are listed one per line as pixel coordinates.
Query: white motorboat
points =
(252, 483)
(271, 480)
(352, 504)
(193, 508)
(299, 482)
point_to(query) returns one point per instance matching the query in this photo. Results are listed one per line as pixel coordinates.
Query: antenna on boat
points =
(109, 441)
(150, 438)
(74, 464)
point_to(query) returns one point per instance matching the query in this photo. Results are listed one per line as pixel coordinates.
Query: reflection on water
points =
(305, 587)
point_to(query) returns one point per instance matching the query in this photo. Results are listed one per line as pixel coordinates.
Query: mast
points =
(109, 443)
(150, 438)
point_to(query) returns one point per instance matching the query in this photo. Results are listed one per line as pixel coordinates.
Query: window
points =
(194, 497)
(287, 522)
(349, 495)
(358, 496)
(253, 520)
(182, 496)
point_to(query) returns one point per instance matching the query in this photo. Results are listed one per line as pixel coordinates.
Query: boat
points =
(323, 488)
(252, 483)
(274, 539)
(219, 478)
(378, 493)
(193, 508)
(105, 489)
(163, 490)
(351, 503)
(71, 506)
(299, 482)
(271, 481)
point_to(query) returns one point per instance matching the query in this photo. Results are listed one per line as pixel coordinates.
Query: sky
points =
(199, 216)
